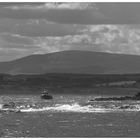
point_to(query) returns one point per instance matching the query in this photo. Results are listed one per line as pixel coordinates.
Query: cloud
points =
(15, 46)
(70, 5)
(48, 27)
(32, 28)
(54, 5)
(16, 39)
(75, 13)
(105, 38)
(37, 28)
(65, 13)
(64, 16)
(111, 38)
(121, 13)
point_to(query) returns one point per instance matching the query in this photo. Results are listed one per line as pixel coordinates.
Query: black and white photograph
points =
(69, 69)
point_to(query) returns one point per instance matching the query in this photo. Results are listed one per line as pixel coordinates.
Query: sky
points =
(40, 28)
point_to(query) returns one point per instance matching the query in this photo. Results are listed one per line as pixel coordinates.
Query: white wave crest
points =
(68, 108)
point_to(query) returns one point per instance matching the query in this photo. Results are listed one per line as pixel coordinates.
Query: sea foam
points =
(68, 108)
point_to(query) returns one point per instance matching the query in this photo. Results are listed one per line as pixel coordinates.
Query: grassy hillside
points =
(70, 84)
(61, 81)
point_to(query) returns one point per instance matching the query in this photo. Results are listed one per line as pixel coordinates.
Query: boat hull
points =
(47, 97)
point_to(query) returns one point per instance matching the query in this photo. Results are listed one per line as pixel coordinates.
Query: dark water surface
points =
(70, 116)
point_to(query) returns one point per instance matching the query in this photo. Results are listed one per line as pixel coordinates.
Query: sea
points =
(69, 116)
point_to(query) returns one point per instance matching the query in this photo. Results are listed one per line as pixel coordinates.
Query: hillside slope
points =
(85, 62)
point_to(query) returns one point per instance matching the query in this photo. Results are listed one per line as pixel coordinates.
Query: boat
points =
(45, 95)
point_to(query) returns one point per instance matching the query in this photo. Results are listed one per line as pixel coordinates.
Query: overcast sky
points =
(38, 28)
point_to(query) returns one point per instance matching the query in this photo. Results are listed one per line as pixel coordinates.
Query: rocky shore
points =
(135, 97)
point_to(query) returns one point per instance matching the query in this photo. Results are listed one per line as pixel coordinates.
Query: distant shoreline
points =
(98, 92)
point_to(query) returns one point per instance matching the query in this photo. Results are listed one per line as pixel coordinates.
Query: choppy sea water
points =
(70, 116)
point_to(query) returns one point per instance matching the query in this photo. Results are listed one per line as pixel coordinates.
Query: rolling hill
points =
(81, 62)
